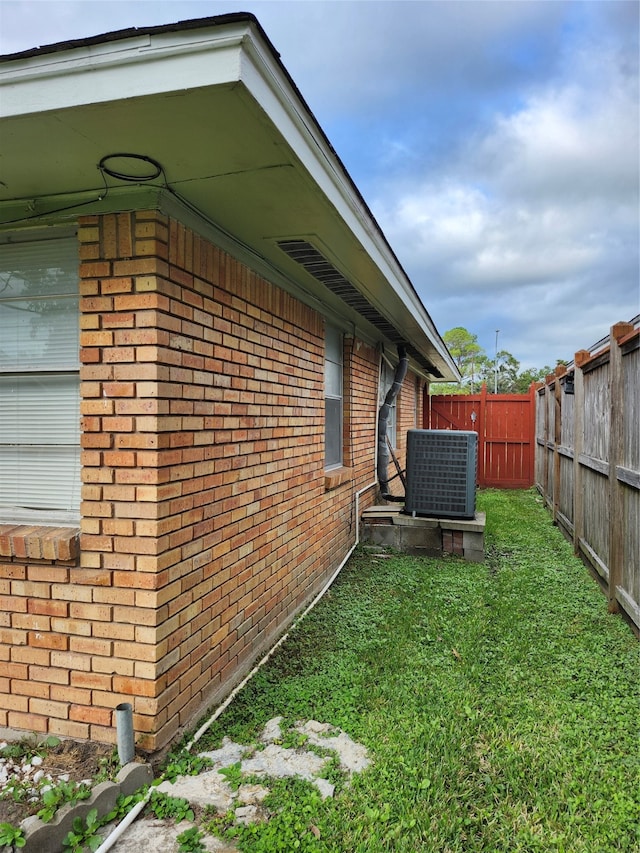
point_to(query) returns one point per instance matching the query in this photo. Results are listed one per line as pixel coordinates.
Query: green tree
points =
(476, 367)
(531, 374)
(506, 367)
(467, 354)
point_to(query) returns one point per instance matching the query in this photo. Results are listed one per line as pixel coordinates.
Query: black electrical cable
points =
(101, 197)
(105, 169)
(128, 176)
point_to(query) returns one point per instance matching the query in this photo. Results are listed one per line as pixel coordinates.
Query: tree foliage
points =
(476, 367)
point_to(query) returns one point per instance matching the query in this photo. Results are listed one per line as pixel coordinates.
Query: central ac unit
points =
(441, 473)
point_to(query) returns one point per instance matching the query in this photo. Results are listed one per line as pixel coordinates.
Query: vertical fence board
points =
(629, 591)
(596, 520)
(631, 430)
(565, 508)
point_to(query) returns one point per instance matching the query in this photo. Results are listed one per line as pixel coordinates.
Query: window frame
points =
(334, 364)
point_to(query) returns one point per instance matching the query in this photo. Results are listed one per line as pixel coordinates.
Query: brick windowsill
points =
(24, 542)
(336, 477)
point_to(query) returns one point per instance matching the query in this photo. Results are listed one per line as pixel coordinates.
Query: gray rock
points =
(209, 788)
(228, 754)
(276, 761)
(272, 731)
(252, 794)
(157, 835)
(353, 756)
(248, 814)
(325, 787)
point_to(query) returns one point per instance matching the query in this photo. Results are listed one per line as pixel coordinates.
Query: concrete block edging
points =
(49, 837)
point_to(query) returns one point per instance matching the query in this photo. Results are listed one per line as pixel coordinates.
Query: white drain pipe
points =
(129, 818)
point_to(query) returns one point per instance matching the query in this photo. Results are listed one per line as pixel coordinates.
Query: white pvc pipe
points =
(124, 824)
(129, 818)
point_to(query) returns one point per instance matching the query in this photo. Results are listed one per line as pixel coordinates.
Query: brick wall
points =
(207, 520)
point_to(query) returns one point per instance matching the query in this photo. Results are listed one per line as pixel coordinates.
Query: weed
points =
(60, 794)
(11, 836)
(214, 823)
(296, 809)
(108, 768)
(184, 763)
(123, 806)
(83, 833)
(28, 746)
(233, 774)
(165, 807)
(294, 740)
(190, 841)
(17, 790)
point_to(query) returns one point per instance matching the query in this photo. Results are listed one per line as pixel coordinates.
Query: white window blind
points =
(39, 379)
(333, 368)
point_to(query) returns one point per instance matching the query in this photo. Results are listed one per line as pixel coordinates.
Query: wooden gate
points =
(505, 424)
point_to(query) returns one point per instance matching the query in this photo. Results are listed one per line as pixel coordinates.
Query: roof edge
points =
(132, 32)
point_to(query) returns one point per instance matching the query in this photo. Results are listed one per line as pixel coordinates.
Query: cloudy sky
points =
(496, 143)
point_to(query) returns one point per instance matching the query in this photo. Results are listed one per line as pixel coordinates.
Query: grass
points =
(499, 703)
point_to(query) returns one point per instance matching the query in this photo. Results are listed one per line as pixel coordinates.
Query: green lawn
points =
(499, 703)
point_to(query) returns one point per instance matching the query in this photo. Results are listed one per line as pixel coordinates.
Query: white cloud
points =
(537, 213)
(567, 142)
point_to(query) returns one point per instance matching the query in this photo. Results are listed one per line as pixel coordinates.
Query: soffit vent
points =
(314, 262)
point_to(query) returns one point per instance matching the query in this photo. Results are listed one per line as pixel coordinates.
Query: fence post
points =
(548, 498)
(426, 406)
(539, 437)
(616, 438)
(557, 438)
(579, 359)
(532, 431)
(482, 427)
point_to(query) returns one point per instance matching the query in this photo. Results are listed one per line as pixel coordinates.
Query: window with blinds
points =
(39, 379)
(333, 367)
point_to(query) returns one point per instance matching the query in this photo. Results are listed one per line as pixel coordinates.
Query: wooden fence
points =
(588, 459)
(505, 425)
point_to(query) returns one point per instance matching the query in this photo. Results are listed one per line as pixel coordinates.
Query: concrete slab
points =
(416, 521)
(159, 836)
(267, 758)
(472, 525)
(389, 527)
(208, 788)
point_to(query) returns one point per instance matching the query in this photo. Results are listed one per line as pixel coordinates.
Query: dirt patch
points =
(12, 812)
(80, 759)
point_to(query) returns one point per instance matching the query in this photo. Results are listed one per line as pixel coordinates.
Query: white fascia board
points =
(111, 71)
(266, 81)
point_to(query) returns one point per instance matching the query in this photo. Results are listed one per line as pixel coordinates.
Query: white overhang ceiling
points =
(212, 104)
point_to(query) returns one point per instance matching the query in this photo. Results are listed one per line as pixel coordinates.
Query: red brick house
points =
(195, 336)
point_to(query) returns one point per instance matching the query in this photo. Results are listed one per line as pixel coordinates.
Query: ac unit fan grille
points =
(441, 473)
